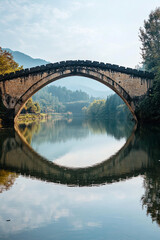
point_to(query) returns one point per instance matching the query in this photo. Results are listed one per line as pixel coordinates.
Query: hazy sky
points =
(56, 30)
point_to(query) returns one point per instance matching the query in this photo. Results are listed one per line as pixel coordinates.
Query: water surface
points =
(115, 194)
(78, 142)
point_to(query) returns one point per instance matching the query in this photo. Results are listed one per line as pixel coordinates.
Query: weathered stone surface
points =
(16, 88)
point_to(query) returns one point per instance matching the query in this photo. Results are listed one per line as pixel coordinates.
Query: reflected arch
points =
(18, 156)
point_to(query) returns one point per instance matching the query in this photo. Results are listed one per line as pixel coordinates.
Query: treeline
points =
(60, 99)
(54, 99)
(112, 108)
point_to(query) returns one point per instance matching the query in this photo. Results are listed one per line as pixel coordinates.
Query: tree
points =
(96, 109)
(31, 107)
(150, 38)
(7, 64)
(149, 108)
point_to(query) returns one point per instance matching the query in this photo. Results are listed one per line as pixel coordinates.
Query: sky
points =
(57, 30)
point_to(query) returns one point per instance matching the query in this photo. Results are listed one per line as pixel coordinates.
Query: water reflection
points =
(78, 142)
(139, 153)
(138, 157)
(151, 198)
(62, 130)
(18, 156)
(7, 179)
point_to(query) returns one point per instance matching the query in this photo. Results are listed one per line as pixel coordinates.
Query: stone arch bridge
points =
(16, 88)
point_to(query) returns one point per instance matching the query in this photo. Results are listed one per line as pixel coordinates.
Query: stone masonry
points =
(16, 88)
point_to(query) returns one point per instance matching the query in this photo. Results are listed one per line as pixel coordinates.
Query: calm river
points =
(80, 179)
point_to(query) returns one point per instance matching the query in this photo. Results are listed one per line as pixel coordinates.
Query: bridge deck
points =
(81, 63)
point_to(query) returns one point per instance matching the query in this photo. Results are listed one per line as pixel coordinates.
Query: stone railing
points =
(77, 63)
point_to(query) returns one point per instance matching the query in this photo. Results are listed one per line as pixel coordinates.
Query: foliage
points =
(149, 108)
(7, 64)
(48, 103)
(60, 99)
(113, 107)
(31, 107)
(150, 38)
(66, 95)
(96, 109)
(76, 107)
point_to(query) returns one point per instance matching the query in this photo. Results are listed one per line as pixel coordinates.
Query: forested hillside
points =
(54, 99)
(60, 99)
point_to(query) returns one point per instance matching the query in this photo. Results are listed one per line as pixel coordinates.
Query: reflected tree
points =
(28, 130)
(7, 180)
(151, 197)
(150, 139)
(115, 127)
(62, 130)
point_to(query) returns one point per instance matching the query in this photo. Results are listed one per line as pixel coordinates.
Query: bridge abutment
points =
(7, 115)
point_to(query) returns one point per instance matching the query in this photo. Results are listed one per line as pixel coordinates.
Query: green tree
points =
(150, 38)
(7, 64)
(116, 108)
(96, 109)
(149, 108)
(31, 107)
(112, 108)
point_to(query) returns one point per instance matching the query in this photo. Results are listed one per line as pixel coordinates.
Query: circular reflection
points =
(131, 160)
(76, 143)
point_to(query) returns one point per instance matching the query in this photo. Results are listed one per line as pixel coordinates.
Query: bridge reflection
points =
(135, 158)
(139, 156)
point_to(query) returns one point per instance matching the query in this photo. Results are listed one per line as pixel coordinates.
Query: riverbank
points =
(31, 117)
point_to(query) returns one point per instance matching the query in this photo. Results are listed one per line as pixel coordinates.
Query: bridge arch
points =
(83, 72)
(16, 88)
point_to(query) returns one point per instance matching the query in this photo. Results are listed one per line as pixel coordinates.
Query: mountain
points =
(90, 86)
(25, 60)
